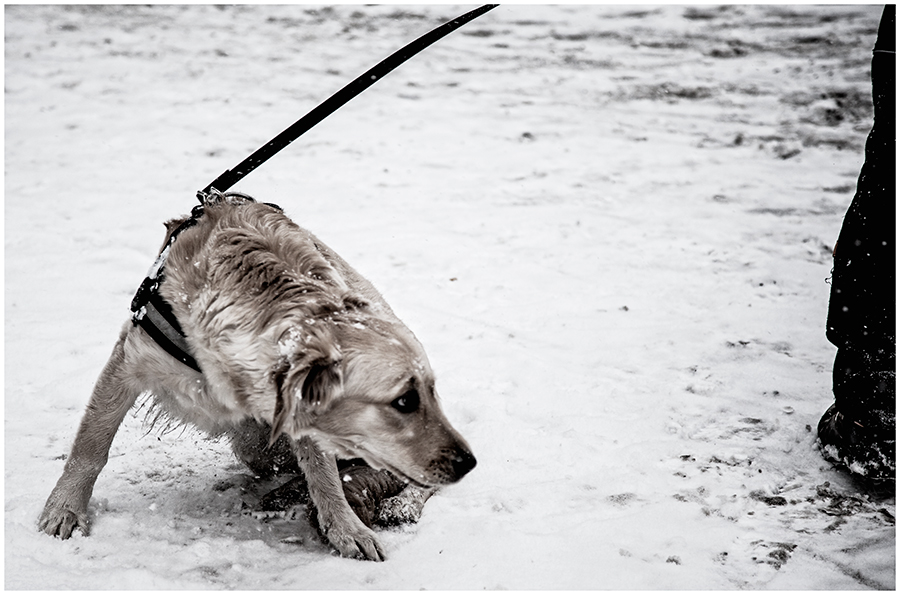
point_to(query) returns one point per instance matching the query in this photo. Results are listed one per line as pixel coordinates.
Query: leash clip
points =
(214, 197)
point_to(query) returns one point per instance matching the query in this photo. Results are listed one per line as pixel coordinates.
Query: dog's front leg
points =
(338, 522)
(66, 508)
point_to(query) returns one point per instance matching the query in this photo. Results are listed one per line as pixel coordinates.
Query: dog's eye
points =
(407, 402)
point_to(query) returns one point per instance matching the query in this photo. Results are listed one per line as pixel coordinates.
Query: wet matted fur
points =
(295, 348)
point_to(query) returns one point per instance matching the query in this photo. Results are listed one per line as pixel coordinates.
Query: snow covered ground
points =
(610, 227)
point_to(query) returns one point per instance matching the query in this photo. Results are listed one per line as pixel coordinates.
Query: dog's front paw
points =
(353, 539)
(60, 522)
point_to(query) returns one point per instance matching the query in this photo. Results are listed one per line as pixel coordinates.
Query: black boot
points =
(864, 451)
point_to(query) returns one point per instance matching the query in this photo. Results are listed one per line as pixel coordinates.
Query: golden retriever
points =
(289, 341)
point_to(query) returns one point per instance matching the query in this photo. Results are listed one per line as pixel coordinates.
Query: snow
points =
(610, 227)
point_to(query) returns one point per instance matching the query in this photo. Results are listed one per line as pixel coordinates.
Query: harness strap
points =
(153, 314)
(160, 323)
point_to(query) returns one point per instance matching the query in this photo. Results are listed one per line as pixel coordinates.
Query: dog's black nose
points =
(463, 462)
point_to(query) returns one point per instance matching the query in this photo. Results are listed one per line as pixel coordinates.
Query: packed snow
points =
(610, 226)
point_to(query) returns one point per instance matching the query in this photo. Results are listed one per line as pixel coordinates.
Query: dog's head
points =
(362, 387)
(270, 309)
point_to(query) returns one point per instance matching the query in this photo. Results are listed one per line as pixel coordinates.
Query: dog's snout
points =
(450, 466)
(463, 462)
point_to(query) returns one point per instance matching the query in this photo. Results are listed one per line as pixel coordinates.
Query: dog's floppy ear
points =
(284, 404)
(302, 388)
(322, 384)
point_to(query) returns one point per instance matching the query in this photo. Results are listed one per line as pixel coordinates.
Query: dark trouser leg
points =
(861, 312)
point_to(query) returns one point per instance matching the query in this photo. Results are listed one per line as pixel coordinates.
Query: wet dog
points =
(292, 347)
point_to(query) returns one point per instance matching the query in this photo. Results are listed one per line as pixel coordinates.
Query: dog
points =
(291, 347)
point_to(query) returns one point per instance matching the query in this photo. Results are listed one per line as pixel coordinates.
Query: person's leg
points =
(858, 430)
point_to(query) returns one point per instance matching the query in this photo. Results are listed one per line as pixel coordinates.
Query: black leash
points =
(149, 310)
(232, 176)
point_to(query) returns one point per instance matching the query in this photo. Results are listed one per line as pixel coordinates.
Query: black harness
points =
(154, 314)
